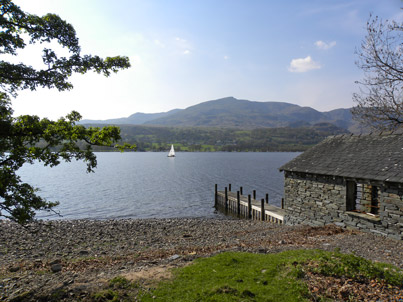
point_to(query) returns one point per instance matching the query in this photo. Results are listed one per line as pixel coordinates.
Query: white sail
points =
(171, 152)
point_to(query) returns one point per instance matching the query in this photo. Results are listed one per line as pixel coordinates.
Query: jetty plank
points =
(228, 202)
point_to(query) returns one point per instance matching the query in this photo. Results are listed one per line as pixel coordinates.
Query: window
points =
(362, 198)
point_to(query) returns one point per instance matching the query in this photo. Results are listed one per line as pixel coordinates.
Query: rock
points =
(174, 257)
(55, 268)
(14, 269)
(68, 282)
(56, 261)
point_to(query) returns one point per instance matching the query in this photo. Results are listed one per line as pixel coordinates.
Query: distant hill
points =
(234, 113)
(134, 119)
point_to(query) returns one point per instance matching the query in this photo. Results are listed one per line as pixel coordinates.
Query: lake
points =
(151, 185)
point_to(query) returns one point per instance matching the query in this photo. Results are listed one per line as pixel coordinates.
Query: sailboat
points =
(171, 152)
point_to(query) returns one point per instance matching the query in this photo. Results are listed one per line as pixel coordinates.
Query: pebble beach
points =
(78, 256)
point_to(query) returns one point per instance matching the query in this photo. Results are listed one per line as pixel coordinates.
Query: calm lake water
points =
(145, 185)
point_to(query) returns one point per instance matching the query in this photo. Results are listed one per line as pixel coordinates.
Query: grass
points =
(273, 277)
(357, 268)
(235, 276)
(119, 289)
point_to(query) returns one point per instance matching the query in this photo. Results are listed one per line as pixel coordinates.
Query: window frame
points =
(362, 198)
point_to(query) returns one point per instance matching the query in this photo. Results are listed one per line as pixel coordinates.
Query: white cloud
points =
(303, 65)
(226, 57)
(186, 52)
(325, 46)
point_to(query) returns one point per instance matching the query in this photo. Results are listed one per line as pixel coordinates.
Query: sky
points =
(184, 52)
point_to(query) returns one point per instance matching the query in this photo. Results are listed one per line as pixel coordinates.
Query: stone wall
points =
(318, 200)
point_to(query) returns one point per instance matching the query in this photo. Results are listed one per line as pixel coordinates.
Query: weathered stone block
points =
(394, 216)
(333, 207)
(395, 236)
(378, 232)
(390, 207)
(351, 223)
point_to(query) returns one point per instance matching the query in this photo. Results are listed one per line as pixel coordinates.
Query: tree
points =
(28, 139)
(379, 102)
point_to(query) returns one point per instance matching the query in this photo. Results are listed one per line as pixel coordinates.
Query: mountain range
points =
(230, 112)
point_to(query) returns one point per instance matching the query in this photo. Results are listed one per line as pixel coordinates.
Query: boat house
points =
(348, 180)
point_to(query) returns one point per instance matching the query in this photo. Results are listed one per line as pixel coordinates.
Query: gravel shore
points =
(79, 256)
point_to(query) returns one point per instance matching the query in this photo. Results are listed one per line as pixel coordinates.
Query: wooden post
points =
(262, 212)
(215, 196)
(249, 207)
(267, 198)
(241, 190)
(238, 200)
(282, 203)
(226, 199)
(229, 187)
(254, 194)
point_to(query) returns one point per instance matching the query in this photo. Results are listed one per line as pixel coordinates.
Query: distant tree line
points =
(195, 139)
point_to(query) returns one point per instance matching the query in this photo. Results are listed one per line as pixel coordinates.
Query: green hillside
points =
(234, 113)
(155, 138)
(243, 114)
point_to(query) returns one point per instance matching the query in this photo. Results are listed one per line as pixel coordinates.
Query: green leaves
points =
(29, 139)
(56, 71)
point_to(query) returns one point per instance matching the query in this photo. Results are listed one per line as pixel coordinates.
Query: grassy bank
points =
(286, 276)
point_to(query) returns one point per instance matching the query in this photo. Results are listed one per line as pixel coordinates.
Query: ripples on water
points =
(145, 185)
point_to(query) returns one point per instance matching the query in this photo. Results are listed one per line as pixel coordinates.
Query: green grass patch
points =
(119, 289)
(273, 277)
(252, 277)
(235, 277)
(122, 283)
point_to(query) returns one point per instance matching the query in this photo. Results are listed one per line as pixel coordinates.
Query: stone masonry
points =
(318, 200)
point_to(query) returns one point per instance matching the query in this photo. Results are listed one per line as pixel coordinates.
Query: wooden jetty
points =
(242, 206)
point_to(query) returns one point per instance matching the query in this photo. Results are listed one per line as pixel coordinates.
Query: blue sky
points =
(184, 52)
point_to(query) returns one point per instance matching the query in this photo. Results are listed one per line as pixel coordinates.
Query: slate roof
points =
(372, 157)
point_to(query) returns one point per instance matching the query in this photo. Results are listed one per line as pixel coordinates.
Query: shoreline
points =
(81, 255)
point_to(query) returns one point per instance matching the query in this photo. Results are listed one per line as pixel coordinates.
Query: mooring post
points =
(249, 207)
(262, 212)
(282, 203)
(241, 190)
(238, 200)
(226, 199)
(267, 198)
(254, 194)
(215, 195)
(229, 187)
